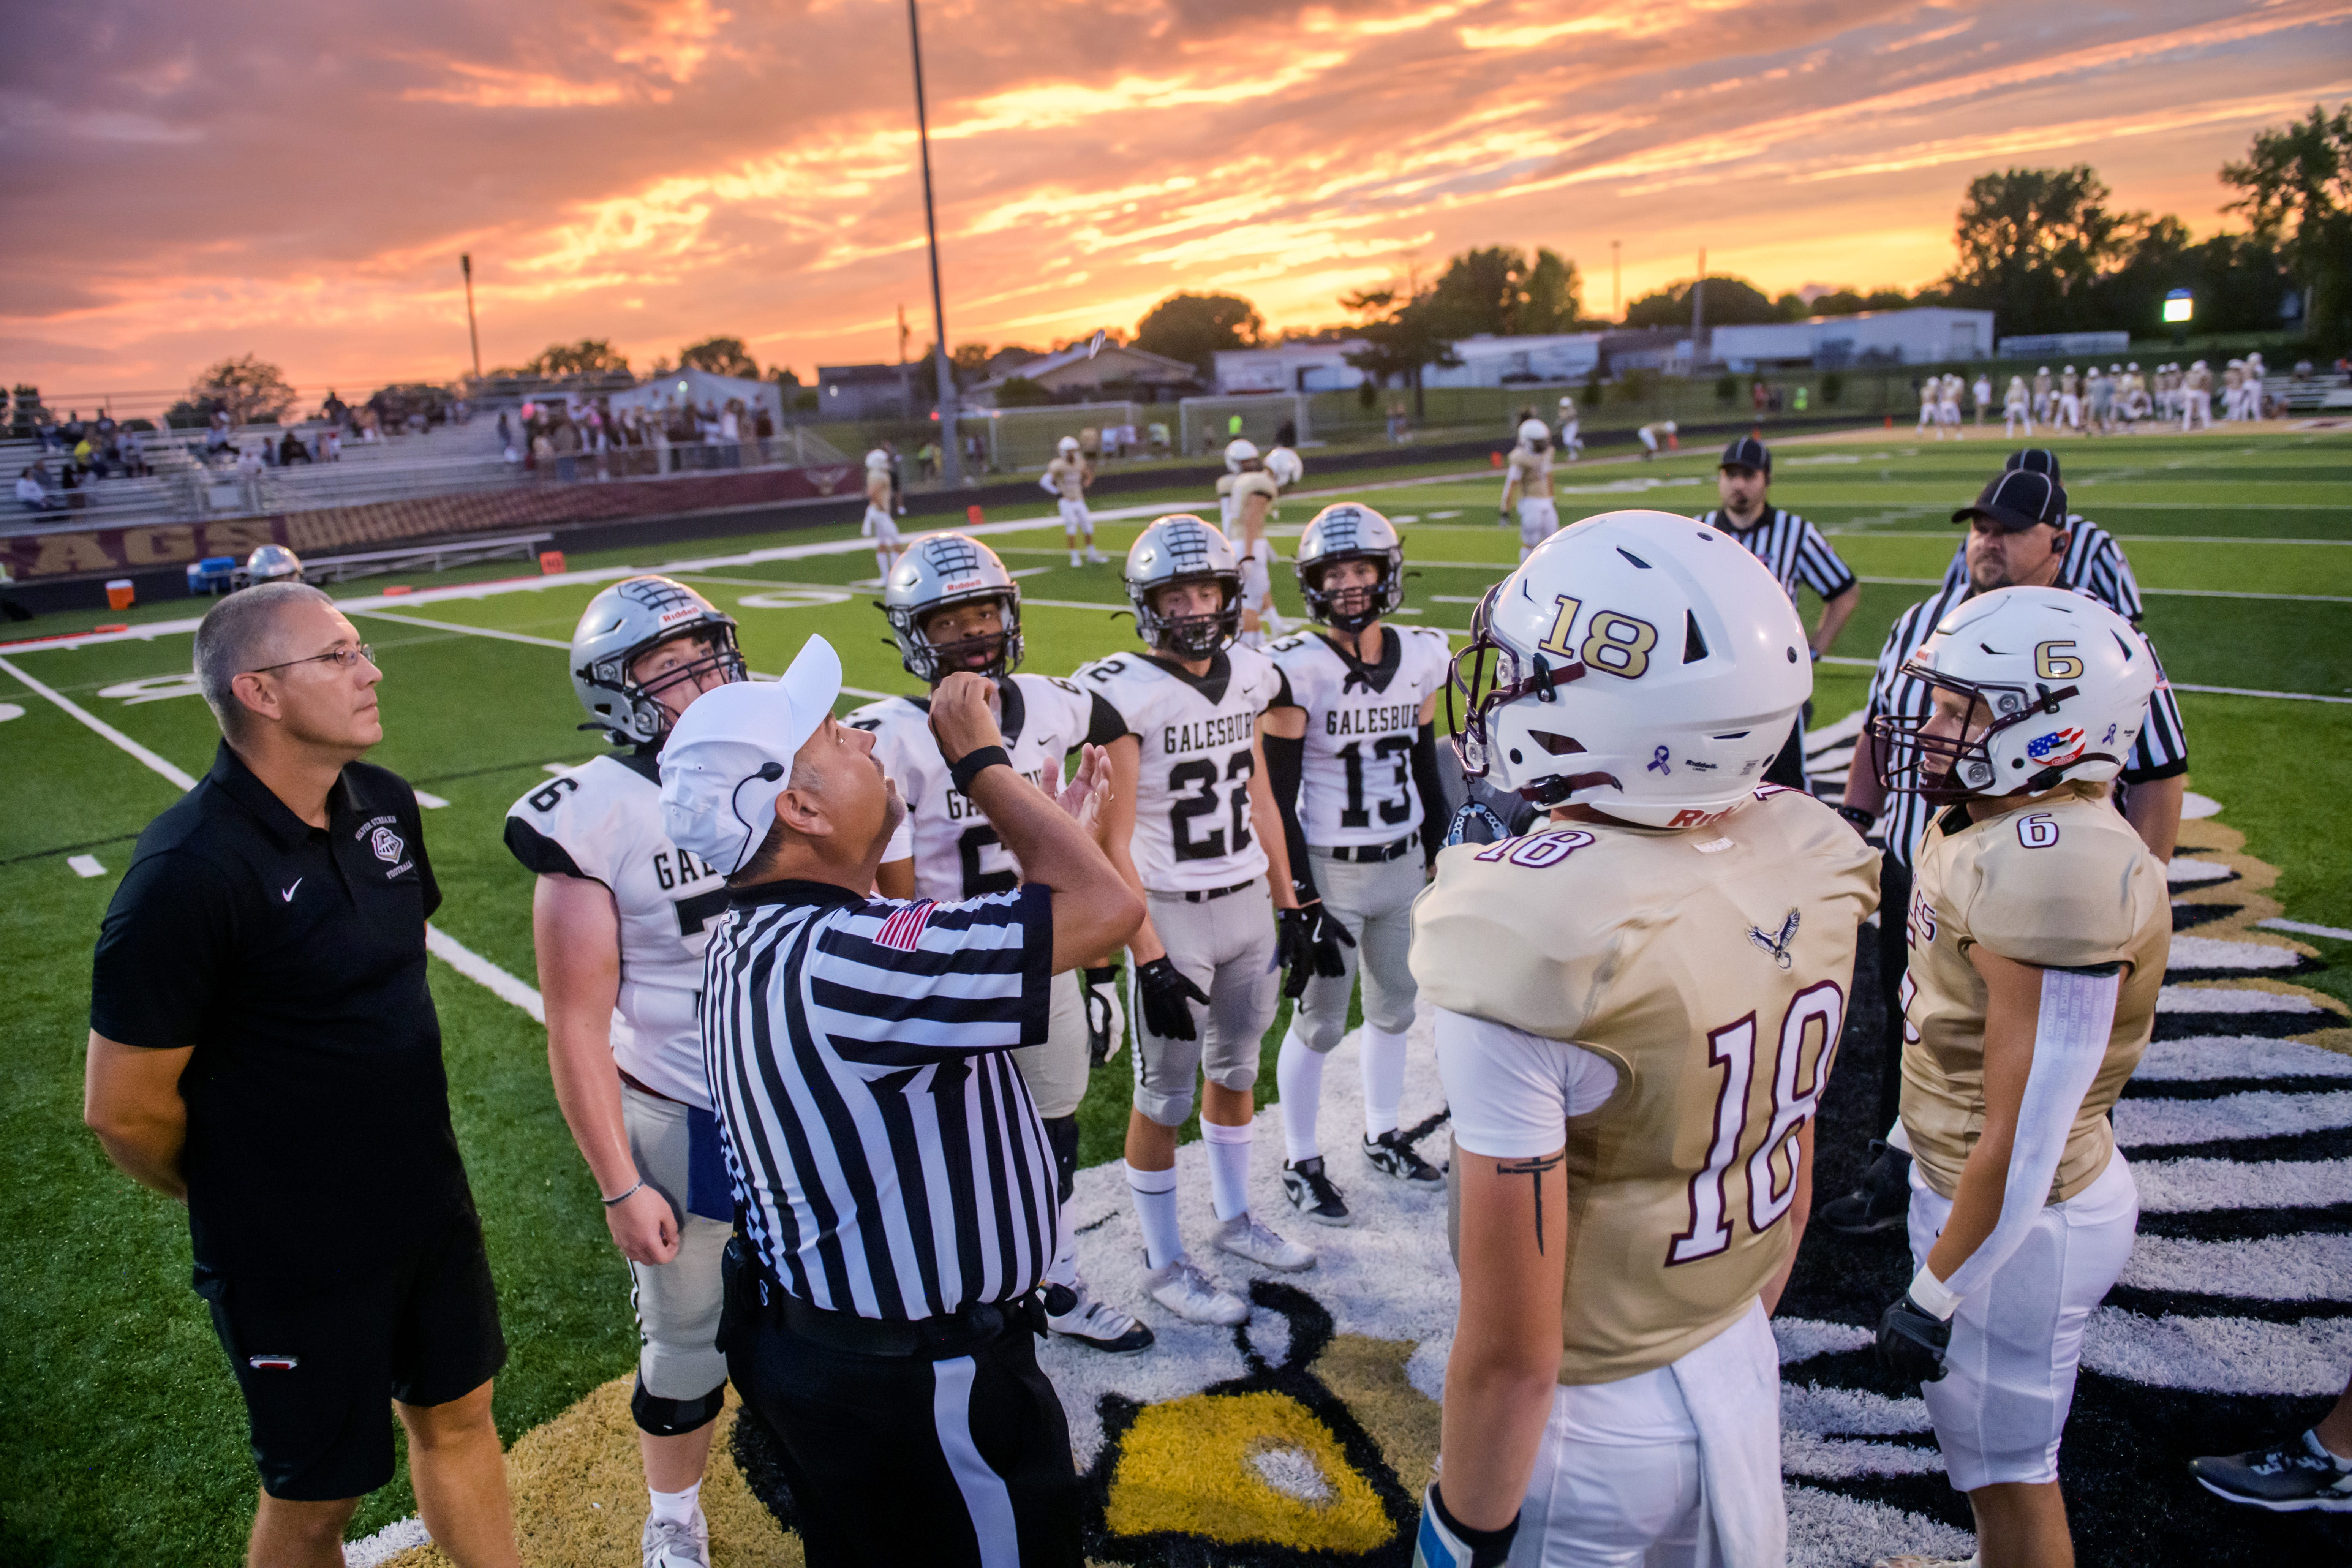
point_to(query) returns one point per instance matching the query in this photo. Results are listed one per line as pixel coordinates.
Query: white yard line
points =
(2304, 927)
(169, 770)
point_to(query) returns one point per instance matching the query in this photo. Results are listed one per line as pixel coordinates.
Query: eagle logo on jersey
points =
(1778, 946)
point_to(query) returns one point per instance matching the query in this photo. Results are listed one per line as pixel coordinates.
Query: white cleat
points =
(1096, 556)
(1247, 1235)
(1183, 1289)
(669, 1545)
(1097, 1324)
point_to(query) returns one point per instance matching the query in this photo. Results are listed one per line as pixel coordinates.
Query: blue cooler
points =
(214, 574)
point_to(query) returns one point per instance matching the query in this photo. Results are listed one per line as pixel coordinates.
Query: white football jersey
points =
(957, 854)
(603, 821)
(1192, 830)
(1356, 779)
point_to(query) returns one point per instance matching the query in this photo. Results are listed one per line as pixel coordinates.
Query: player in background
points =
(2069, 413)
(1066, 479)
(1980, 396)
(953, 607)
(2252, 388)
(1353, 757)
(1930, 392)
(1796, 554)
(1658, 435)
(2038, 927)
(1637, 1008)
(1948, 408)
(2015, 410)
(619, 917)
(2043, 410)
(1527, 478)
(2197, 397)
(1192, 826)
(1246, 497)
(879, 524)
(1571, 445)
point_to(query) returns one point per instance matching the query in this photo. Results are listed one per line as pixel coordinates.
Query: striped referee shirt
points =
(2161, 750)
(886, 1156)
(2095, 564)
(1791, 548)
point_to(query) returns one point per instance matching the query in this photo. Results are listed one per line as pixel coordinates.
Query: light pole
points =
(951, 441)
(465, 265)
(1616, 281)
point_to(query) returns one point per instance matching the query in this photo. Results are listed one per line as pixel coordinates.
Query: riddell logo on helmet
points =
(682, 613)
(961, 584)
(1698, 818)
(2059, 747)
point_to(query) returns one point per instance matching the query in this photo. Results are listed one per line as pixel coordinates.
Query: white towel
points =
(1732, 1384)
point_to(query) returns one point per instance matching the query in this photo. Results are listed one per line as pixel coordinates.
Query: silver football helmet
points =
(1350, 532)
(626, 620)
(941, 571)
(1183, 548)
(272, 564)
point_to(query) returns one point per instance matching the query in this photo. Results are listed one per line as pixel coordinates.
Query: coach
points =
(263, 1048)
(895, 1186)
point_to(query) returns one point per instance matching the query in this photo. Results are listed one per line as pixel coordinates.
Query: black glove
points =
(1164, 991)
(1306, 942)
(1911, 1342)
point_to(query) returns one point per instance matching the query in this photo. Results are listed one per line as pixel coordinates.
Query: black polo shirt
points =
(292, 958)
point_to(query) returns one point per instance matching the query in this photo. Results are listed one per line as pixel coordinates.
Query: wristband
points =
(1817, 655)
(972, 764)
(1856, 814)
(630, 1191)
(1930, 1294)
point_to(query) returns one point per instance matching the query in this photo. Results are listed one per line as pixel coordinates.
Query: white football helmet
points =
(273, 564)
(877, 458)
(1535, 433)
(2064, 684)
(1287, 466)
(1068, 445)
(1238, 452)
(1643, 664)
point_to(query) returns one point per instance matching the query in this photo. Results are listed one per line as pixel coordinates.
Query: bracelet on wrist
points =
(972, 764)
(1857, 815)
(629, 1192)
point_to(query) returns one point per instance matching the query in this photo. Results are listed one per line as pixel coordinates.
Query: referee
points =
(894, 1183)
(1794, 552)
(263, 1048)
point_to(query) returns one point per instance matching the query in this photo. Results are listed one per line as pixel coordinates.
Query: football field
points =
(128, 1442)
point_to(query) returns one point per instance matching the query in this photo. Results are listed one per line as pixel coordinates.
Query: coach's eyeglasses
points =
(345, 657)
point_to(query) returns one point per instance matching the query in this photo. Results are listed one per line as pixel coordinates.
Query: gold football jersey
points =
(1069, 477)
(1533, 471)
(1709, 965)
(2063, 882)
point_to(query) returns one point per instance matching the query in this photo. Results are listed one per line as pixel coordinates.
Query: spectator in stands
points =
(70, 481)
(763, 431)
(250, 464)
(132, 446)
(291, 449)
(730, 434)
(506, 433)
(565, 442)
(334, 411)
(31, 493)
(51, 439)
(216, 432)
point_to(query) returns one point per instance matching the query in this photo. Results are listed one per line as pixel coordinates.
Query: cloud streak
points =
(299, 181)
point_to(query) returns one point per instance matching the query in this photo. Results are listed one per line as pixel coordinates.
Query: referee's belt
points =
(1368, 854)
(942, 1338)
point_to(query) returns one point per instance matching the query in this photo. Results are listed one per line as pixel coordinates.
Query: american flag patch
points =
(904, 929)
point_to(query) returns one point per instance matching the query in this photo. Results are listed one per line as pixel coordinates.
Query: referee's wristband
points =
(632, 1190)
(972, 764)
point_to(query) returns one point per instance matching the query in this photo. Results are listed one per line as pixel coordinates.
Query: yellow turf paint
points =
(1187, 1467)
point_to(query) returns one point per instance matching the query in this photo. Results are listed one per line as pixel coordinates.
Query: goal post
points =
(1210, 422)
(1020, 438)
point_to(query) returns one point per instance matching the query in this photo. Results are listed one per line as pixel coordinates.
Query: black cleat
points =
(2285, 1478)
(1392, 1156)
(1312, 1193)
(1882, 1202)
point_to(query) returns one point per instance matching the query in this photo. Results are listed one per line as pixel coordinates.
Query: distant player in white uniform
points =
(1655, 437)
(1353, 756)
(1246, 494)
(2197, 399)
(879, 524)
(2252, 392)
(1571, 444)
(2038, 929)
(2016, 412)
(2069, 416)
(1980, 396)
(1527, 485)
(953, 607)
(1948, 408)
(2041, 405)
(619, 917)
(1066, 479)
(1637, 1007)
(1930, 391)
(1192, 824)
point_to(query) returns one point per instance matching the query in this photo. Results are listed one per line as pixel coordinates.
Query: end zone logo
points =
(2059, 747)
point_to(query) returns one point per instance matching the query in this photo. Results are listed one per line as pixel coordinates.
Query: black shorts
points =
(318, 1371)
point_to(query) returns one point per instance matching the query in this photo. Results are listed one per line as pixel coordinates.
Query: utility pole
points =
(1698, 315)
(950, 439)
(465, 265)
(1616, 279)
(905, 386)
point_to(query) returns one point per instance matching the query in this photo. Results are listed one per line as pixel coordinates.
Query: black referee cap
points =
(2018, 500)
(2033, 460)
(1747, 452)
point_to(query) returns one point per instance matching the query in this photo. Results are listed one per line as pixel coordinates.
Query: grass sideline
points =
(136, 1449)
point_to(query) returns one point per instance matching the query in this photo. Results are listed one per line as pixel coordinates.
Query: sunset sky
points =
(183, 183)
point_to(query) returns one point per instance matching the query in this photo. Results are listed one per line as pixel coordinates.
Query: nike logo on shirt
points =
(288, 894)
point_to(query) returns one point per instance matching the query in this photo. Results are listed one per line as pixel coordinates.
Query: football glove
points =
(1444, 1541)
(1106, 1019)
(1166, 995)
(1306, 942)
(1911, 1342)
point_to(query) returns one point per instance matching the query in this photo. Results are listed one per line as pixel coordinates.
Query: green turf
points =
(133, 1448)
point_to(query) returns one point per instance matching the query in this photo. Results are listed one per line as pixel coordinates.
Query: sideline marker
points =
(972, 515)
(550, 562)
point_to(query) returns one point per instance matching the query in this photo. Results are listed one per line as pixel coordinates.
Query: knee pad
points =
(1062, 1133)
(672, 1417)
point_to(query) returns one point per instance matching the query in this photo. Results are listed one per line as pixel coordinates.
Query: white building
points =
(1927, 334)
(1290, 367)
(1490, 360)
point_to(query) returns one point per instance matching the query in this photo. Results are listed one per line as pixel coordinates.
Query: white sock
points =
(882, 565)
(1298, 1076)
(1383, 1064)
(1154, 1193)
(1064, 1269)
(1074, 555)
(675, 1508)
(1229, 1163)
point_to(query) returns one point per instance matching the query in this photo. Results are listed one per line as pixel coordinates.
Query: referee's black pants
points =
(960, 1460)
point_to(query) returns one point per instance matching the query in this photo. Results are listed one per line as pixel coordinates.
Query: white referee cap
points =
(731, 755)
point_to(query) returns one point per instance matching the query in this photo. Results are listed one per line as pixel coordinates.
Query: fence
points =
(1210, 422)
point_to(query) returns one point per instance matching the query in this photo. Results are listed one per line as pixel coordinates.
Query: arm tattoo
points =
(1535, 1171)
